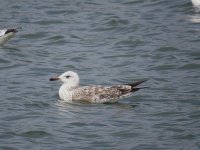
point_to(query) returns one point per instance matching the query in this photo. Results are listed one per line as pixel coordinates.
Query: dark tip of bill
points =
(53, 79)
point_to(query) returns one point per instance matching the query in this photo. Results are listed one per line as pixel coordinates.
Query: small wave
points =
(164, 67)
(190, 66)
(194, 18)
(35, 134)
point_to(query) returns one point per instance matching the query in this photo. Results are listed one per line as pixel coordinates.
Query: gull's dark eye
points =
(67, 76)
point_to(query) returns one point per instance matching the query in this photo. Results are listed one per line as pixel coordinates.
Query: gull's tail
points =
(133, 85)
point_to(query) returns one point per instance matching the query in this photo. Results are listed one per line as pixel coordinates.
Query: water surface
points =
(106, 42)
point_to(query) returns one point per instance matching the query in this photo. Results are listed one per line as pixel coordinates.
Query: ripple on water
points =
(49, 22)
(163, 67)
(35, 35)
(8, 148)
(190, 66)
(56, 37)
(4, 61)
(62, 12)
(55, 40)
(35, 134)
(167, 49)
(114, 21)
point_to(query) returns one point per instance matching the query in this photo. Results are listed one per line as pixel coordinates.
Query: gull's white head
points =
(70, 78)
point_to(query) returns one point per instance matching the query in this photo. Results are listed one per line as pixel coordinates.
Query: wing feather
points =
(100, 94)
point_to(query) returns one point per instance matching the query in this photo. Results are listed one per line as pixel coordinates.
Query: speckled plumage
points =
(100, 94)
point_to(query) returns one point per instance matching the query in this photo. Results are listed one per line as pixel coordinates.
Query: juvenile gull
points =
(71, 91)
(6, 34)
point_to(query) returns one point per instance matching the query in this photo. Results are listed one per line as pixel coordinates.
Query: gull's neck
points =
(6, 37)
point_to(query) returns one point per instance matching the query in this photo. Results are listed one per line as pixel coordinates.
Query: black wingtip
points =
(136, 89)
(137, 83)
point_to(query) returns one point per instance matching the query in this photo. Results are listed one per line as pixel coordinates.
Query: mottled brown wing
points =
(102, 94)
(96, 93)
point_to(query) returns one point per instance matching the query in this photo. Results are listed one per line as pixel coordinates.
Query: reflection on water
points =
(194, 18)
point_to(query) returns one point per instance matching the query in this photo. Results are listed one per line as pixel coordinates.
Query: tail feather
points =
(136, 83)
(133, 85)
(124, 90)
(136, 89)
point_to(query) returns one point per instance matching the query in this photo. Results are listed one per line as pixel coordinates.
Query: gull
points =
(6, 34)
(196, 3)
(70, 90)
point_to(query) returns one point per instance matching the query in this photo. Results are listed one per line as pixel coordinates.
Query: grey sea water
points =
(106, 42)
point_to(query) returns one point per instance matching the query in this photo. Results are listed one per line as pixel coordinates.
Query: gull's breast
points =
(6, 37)
(65, 94)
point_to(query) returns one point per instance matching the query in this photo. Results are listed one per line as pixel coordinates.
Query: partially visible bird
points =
(196, 3)
(6, 34)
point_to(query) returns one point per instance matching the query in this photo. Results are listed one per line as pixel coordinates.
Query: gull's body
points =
(71, 91)
(6, 34)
